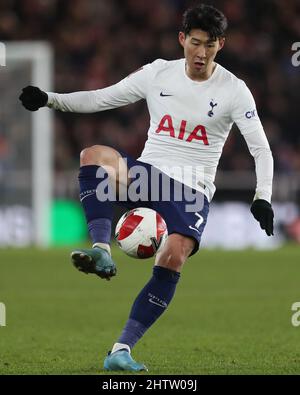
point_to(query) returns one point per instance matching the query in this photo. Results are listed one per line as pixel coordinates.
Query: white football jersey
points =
(189, 120)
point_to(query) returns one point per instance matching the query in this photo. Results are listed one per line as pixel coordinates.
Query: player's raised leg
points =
(96, 162)
(151, 302)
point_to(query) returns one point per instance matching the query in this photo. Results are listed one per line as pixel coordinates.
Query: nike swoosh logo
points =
(90, 194)
(163, 95)
(157, 304)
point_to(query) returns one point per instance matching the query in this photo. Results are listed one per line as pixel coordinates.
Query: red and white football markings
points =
(141, 232)
(130, 222)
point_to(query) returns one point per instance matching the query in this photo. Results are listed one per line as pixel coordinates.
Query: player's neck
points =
(203, 76)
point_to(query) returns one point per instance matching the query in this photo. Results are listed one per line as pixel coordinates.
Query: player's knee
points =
(88, 156)
(97, 155)
(175, 253)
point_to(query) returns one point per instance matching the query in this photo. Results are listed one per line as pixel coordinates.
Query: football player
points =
(193, 103)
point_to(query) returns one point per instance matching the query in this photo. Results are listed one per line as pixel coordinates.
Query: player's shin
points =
(98, 213)
(149, 305)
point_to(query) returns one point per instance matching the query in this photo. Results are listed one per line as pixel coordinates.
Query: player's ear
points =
(181, 38)
(221, 43)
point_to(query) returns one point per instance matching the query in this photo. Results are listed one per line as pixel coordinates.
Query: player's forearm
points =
(91, 101)
(81, 102)
(260, 150)
(264, 173)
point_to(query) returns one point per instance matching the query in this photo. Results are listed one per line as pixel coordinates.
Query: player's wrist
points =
(263, 195)
(50, 98)
(260, 203)
(43, 99)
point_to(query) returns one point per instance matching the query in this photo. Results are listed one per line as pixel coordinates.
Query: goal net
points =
(25, 147)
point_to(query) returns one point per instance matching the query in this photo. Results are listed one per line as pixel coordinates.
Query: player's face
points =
(200, 52)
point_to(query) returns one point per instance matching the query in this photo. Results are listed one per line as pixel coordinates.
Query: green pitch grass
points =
(231, 314)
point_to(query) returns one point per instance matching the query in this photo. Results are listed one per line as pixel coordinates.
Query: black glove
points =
(33, 98)
(263, 213)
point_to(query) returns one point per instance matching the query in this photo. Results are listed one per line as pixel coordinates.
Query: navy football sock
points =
(98, 214)
(150, 304)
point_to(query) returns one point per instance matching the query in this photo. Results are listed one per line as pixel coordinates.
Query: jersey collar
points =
(206, 82)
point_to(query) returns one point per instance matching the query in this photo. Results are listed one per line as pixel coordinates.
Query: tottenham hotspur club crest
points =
(212, 104)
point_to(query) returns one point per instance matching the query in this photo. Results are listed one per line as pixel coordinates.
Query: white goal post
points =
(34, 60)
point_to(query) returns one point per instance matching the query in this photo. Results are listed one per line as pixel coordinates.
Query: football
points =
(141, 232)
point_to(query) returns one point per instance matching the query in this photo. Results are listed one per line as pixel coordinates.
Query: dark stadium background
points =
(97, 43)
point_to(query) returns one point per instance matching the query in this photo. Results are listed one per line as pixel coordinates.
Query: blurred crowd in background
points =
(98, 42)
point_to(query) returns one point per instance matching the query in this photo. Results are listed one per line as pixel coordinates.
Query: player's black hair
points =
(206, 18)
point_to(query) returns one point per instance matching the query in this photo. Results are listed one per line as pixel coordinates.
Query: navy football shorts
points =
(184, 209)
